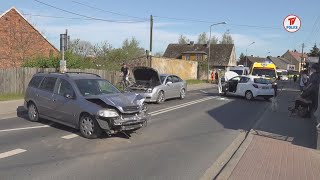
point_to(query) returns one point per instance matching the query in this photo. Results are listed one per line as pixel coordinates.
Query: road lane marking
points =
(17, 129)
(179, 106)
(11, 153)
(187, 103)
(70, 136)
(203, 91)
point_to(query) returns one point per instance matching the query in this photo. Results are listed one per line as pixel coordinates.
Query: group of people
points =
(310, 90)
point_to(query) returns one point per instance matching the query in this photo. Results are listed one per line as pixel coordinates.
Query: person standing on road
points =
(216, 76)
(303, 80)
(212, 76)
(125, 73)
(295, 77)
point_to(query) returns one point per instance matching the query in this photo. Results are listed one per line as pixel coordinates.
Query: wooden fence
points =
(16, 80)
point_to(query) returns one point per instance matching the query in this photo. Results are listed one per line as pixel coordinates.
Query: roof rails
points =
(82, 73)
(66, 73)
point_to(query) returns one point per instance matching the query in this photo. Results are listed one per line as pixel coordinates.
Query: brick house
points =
(20, 41)
(295, 58)
(222, 56)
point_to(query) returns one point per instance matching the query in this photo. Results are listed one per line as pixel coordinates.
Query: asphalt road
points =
(182, 140)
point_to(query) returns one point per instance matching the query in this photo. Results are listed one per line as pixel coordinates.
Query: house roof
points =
(220, 53)
(16, 11)
(281, 63)
(255, 59)
(296, 55)
(194, 52)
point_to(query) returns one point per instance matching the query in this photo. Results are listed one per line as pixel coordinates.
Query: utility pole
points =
(64, 45)
(302, 57)
(151, 31)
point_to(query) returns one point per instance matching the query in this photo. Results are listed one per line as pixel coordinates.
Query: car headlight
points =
(108, 113)
(149, 90)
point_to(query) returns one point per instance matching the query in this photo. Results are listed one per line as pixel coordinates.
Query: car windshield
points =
(239, 72)
(264, 72)
(162, 78)
(89, 87)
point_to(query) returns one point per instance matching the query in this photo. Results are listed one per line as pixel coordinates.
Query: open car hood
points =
(229, 75)
(146, 74)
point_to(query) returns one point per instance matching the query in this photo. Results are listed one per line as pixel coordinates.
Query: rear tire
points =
(89, 127)
(33, 113)
(249, 95)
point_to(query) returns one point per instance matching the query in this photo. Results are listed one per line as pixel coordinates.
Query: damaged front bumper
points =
(125, 122)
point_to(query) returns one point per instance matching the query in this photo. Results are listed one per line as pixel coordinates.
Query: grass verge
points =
(10, 96)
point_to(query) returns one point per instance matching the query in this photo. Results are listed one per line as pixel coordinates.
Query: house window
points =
(188, 57)
(199, 57)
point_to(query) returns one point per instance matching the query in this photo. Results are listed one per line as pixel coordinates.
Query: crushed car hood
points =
(146, 74)
(120, 100)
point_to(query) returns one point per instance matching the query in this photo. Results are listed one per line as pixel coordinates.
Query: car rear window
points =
(261, 81)
(35, 81)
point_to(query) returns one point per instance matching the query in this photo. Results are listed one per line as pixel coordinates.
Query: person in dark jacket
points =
(309, 96)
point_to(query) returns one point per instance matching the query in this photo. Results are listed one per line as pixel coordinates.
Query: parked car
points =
(249, 86)
(84, 101)
(157, 88)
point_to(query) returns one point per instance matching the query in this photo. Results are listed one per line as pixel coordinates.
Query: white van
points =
(240, 70)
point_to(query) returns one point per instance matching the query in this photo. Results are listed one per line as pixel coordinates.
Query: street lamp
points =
(247, 53)
(210, 46)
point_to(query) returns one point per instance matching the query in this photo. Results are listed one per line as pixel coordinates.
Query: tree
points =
(131, 49)
(314, 52)
(101, 49)
(81, 48)
(226, 39)
(203, 38)
(242, 57)
(183, 39)
(214, 40)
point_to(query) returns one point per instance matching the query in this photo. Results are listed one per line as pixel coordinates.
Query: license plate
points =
(265, 87)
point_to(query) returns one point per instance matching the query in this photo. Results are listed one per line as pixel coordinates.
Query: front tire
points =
(89, 127)
(249, 95)
(161, 97)
(182, 93)
(33, 113)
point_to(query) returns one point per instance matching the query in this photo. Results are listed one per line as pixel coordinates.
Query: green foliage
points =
(183, 39)
(83, 55)
(314, 52)
(227, 38)
(195, 81)
(10, 96)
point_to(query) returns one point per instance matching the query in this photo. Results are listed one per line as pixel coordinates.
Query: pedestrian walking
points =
(295, 77)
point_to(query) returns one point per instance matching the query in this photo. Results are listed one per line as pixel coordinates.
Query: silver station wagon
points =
(84, 101)
(157, 87)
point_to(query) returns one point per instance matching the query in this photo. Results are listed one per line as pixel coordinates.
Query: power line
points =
(111, 12)
(85, 16)
(211, 22)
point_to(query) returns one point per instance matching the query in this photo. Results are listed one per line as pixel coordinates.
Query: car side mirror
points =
(168, 83)
(69, 96)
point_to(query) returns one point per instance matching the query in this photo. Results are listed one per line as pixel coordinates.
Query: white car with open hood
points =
(249, 86)
(157, 87)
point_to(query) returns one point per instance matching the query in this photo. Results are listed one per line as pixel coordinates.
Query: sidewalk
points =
(279, 147)
(9, 109)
